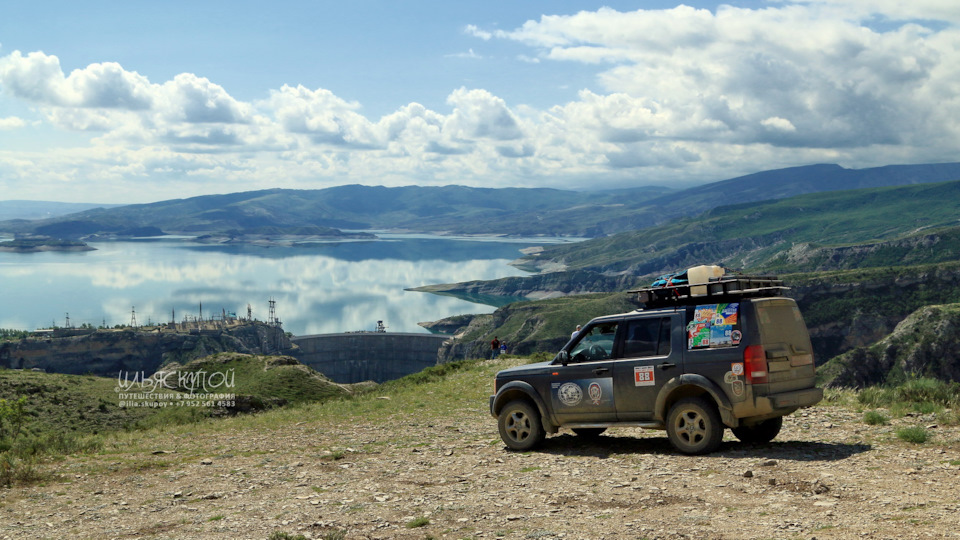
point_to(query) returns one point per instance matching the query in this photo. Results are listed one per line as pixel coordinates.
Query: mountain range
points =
(464, 210)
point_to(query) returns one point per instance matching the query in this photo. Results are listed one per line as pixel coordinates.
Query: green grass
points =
(418, 522)
(924, 395)
(875, 418)
(913, 434)
(70, 414)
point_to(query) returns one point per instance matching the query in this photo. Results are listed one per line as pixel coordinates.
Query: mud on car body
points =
(735, 357)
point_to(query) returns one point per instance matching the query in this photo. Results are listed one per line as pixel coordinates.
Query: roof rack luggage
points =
(715, 289)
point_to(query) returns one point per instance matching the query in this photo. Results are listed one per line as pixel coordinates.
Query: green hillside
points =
(914, 224)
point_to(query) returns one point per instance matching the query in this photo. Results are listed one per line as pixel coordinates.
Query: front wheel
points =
(759, 433)
(520, 426)
(694, 427)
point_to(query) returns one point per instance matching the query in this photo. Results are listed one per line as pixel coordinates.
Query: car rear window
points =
(781, 322)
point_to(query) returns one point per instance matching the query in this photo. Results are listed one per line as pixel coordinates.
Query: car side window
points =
(647, 337)
(596, 343)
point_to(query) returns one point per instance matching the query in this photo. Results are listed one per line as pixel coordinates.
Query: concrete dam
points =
(368, 356)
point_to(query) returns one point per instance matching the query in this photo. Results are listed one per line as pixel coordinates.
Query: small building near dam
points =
(352, 357)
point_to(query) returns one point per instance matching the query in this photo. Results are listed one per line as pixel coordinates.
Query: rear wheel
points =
(694, 427)
(520, 425)
(759, 433)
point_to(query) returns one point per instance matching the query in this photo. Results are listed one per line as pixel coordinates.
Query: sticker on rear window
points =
(713, 325)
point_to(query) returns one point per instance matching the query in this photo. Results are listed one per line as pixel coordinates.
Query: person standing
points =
(494, 347)
(575, 332)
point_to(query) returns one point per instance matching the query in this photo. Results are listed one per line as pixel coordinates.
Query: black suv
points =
(738, 356)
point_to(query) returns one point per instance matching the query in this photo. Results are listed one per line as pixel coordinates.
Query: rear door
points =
(786, 345)
(582, 391)
(651, 354)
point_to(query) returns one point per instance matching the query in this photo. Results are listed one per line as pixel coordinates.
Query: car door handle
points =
(601, 371)
(666, 365)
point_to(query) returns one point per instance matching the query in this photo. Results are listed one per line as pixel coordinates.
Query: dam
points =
(351, 357)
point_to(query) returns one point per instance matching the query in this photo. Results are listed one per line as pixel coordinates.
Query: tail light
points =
(755, 364)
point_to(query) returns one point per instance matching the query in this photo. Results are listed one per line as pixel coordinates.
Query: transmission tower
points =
(68, 320)
(133, 316)
(249, 313)
(272, 317)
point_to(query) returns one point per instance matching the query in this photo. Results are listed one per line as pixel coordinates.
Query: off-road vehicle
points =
(732, 352)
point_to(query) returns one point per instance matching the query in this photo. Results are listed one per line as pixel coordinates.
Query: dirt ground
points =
(827, 475)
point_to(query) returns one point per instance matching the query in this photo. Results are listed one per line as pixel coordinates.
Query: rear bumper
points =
(796, 399)
(777, 404)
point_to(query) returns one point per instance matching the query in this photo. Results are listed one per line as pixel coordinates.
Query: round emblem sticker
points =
(570, 394)
(595, 393)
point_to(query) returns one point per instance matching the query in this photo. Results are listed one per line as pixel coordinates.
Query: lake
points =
(323, 288)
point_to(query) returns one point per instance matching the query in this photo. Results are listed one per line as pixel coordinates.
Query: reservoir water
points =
(322, 288)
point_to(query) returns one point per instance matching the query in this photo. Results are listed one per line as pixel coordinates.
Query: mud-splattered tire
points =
(520, 425)
(763, 432)
(694, 426)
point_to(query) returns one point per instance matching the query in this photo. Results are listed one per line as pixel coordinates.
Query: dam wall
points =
(368, 356)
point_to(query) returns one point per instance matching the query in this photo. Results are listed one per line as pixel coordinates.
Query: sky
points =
(130, 102)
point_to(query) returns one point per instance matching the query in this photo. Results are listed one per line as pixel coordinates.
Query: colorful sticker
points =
(729, 377)
(738, 388)
(737, 368)
(595, 392)
(570, 394)
(713, 326)
(643, 376)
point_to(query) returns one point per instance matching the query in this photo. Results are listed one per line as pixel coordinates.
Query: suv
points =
(737, 355)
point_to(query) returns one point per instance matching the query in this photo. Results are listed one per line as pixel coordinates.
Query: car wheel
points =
(694, 427)
(589, 433)
(520, 426)
(760, 433)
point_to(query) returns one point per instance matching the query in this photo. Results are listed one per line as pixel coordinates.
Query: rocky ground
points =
(827, 475)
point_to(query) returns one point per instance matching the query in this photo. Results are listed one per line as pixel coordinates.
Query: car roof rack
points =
(727, 288)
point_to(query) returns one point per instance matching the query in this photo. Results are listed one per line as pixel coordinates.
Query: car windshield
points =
(595, 343)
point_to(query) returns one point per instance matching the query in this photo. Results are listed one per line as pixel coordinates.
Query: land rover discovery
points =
(737, 356)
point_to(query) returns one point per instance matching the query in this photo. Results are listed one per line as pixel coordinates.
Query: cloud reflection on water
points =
(315, 292)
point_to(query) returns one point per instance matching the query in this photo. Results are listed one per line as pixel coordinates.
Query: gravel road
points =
(827, 475)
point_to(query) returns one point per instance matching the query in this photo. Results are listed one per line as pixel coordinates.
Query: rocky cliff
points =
(855, 308)
(108, 352)
(925, 344)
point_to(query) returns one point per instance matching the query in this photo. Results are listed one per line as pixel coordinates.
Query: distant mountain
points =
(448, 209)
(764, 186)
(820, 231)
(43, 209)
(466, 210)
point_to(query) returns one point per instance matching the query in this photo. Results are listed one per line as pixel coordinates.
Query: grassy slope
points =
(75, 404)
(768, 228)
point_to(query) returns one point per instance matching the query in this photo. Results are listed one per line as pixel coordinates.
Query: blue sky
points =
(121, 102)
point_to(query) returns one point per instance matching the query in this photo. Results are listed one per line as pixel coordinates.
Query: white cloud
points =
(828, 81)
(681, 94)
(470, 54)
(473, 30)
(321, 115)
(38, 77)
(778, 124)
(11, 122)
(480, 114)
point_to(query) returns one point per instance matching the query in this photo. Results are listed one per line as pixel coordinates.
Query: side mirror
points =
(564, 357)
